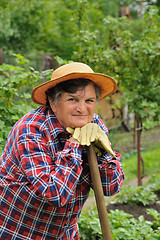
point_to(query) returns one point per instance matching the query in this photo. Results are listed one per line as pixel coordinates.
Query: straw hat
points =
(70, 71)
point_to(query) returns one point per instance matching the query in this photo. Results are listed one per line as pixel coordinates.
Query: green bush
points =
(123, 226)
(154, 182)
(16, 84)
(138, 195)
(89, 225)
(156, 216)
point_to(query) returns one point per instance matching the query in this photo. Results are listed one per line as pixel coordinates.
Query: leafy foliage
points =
(139, 195)
(154, 182)
(156, 216)
(123, 226)
(82, 31)
(89, 225)
(37, 26)
(16, 83)
(135, 64)
(57, 27)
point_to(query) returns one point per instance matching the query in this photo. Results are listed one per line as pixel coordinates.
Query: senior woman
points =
(44, 172)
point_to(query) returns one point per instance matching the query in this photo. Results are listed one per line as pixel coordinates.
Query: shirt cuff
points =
(70, 144)
(74, 150)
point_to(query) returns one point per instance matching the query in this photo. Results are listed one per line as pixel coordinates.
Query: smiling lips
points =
(80, 115)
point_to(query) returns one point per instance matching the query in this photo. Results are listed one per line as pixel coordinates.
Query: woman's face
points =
(75, 109)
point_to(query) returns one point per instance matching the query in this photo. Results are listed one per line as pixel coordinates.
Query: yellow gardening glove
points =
(86, 134)
(102, 141)
(91, 132)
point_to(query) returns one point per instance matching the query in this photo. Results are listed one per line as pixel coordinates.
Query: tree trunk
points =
(134, 133)
(139, 128)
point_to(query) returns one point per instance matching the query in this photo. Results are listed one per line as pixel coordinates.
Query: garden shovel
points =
(99, 196)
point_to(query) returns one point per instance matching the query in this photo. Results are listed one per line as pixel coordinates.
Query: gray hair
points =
(70, 86)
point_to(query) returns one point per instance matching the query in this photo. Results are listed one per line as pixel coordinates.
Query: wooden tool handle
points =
(98, 190)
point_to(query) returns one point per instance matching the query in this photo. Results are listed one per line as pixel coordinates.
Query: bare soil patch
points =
(137, 210)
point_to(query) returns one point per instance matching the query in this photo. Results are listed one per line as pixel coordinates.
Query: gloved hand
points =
(91, 132)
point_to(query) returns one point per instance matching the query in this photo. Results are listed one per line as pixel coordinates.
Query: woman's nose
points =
(81, 107)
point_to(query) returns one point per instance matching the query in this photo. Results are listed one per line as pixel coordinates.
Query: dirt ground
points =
(136, 210)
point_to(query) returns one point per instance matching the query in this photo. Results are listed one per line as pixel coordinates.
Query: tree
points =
(32, 27)
(37, 26)
(138, 67)
(135, 64)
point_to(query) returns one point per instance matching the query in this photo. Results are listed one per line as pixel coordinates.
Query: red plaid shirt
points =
(45, 180)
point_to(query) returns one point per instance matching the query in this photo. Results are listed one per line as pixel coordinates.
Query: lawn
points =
(151, 162)
(150, 150)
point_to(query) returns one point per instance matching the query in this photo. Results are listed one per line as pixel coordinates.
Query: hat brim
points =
(106, 83)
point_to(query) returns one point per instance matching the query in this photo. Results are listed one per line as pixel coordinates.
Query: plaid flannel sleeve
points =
(111, 171)
(53, 176)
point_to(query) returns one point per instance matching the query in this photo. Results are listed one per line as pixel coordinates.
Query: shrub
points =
(138, 195)
(123, 226)
(16, 84)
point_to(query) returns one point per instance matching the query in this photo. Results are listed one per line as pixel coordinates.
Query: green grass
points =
(151, 161)
(123, 141)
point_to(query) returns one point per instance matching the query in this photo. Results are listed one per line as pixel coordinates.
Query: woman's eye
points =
(89, 100)
(71, 99)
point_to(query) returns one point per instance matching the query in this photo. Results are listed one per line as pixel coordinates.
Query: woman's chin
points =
(79, 124)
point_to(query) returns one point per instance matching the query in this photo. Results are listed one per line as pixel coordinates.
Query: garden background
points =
(118, 38)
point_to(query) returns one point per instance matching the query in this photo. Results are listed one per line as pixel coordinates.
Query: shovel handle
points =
(98, 190)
